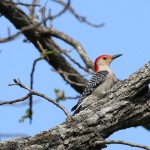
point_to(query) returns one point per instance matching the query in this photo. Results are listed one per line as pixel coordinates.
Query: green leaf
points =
(46, 52)
(28, 114)
(60, 94)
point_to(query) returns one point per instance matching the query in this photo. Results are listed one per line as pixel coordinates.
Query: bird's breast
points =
(105, 86)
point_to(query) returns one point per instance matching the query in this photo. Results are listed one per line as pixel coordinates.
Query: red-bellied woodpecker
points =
(101, 82)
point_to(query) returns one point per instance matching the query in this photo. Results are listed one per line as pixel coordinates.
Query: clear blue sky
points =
(126, 31)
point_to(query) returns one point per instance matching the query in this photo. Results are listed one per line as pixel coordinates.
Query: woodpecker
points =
(101, 81)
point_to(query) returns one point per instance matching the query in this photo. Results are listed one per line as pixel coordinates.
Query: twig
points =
(122, 142)
(32, 71)
(43, 11)
(9, 38)
(31, 86)
(26, 28)
(32, 9)
(17, 100)
(32, 92)
(42, 50)
(73, 60)
(70, 97)
(78, 17)
(75, 83)
(62, 11)
(24, 103)
(71, 74)
(66, 38)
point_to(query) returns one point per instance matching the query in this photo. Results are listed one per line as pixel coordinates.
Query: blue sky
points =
(126, 31)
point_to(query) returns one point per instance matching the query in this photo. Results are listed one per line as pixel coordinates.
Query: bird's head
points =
(102, 62)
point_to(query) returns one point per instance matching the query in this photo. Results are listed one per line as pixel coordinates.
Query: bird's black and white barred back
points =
(96, 80)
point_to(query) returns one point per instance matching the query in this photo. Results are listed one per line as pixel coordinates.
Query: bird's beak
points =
(116, 56)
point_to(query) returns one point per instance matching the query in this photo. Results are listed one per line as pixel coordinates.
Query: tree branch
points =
(20, 21)
(31, 85)
(32, 92)
(16, 100)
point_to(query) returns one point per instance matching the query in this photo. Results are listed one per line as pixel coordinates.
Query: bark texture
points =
(123, 107)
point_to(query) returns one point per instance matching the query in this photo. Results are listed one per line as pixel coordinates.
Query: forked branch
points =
(32, 92)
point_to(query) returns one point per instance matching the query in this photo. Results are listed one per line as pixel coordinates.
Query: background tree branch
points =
(20, 20)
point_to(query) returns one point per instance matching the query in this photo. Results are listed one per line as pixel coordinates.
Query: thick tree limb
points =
(121, 108)
(21, 20)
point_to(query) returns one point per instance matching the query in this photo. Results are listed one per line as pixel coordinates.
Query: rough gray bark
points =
(121, 108)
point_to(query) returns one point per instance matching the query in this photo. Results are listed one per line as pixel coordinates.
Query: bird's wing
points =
(96, 80)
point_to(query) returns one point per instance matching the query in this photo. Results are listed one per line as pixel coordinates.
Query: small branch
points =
(72, 82)
(31, 85)
(17, 100)
(70, 97)
(32, 9)
(42, 50)
(32, 71)
(78, 17)
(31, 92)
(10, 37)
(26, 28)
(62, 11)
(60, 96)
(23, 104)
(73, 60)
(121, 142)
(72, 74)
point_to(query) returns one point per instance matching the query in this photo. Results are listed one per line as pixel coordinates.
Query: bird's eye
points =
(104, 58)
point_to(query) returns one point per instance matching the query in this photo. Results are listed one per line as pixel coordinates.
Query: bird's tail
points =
(74, 108)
